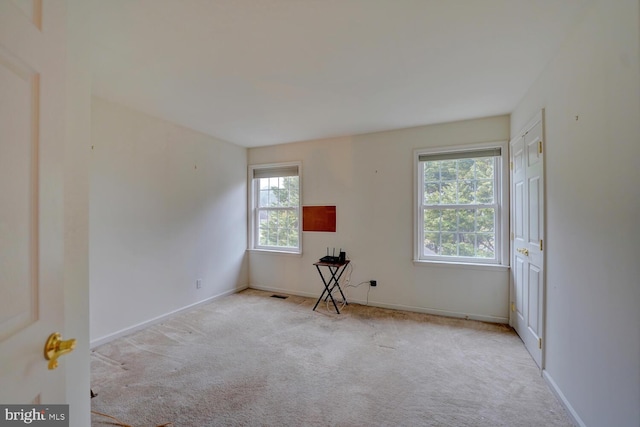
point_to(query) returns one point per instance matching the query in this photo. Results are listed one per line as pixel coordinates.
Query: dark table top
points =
(332, 264)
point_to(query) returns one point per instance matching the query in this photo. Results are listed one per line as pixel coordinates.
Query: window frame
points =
(501, 194)
(254, 197)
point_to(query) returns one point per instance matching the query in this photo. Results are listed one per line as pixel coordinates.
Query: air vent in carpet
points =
(279, 296)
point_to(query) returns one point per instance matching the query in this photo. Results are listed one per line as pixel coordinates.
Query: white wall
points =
(167, 207)
(593, 205)
(370, 180)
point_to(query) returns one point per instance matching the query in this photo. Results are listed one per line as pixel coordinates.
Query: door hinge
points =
(513, 306)
(540, 343)
(540, 244)
(511, 165)
(513, 236)
(540, 146)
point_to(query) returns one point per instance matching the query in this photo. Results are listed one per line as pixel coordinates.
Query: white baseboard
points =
(131, 329)
(467, 316)
(480, 317)
(563, 400)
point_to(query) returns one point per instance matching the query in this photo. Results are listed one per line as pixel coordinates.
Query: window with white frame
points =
(275, 202)
(460, 196)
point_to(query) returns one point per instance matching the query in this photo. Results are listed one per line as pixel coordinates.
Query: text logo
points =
(35, 415)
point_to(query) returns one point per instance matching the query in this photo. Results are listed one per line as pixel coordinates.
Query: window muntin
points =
(276, 207)
(459, 199)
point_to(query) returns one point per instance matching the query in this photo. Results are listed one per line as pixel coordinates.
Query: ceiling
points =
(263, 72)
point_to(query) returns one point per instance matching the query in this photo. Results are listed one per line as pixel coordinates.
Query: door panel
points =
(18, 145)
(518, 158)
(519, 283)
(32, 120)
(533, 155)
(527, 215)
(518, 212)
(534, 210)
(533, 321)
(533, 139)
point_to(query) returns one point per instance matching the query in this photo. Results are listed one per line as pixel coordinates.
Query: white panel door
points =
(32, 120)
(527, 230)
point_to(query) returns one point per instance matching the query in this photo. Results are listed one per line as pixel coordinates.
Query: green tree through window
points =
(459, 205)
(278, 217)
(276, 207)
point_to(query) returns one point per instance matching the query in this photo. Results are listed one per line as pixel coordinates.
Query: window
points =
(460, 194)
(275, 201)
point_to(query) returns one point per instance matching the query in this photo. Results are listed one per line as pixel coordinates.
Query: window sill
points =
(274, 252)
(460, 265)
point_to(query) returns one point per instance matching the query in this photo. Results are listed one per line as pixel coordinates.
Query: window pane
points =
(264, 229)
(277, 209)
(465, 169)
(292, 237)
(484, 168)
(431, 171)
(264, 197)
(271, 197)
(273, 182)
(431, 244)
(278, 228)
(284, 231)
(466, 244)
(484, 193)
(448, 170)
(282, 237)
(293, 184)
(448, 193)
(279, 192)
(467, 220)
(432, 193)
(465, 192)
(449, 244)
(485, 220)
(449, 221)
(465, 183)
(431, 220)
(279, 195)
(485, 246)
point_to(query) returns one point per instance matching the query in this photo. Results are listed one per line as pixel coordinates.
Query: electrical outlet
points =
(198, 283)
(373, 282)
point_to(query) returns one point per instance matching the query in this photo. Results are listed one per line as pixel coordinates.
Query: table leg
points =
(334, 280)
(327, 289)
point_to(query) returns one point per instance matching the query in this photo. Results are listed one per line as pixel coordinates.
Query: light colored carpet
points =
(252, 360)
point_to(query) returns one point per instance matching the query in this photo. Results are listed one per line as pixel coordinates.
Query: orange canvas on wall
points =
(319, 218)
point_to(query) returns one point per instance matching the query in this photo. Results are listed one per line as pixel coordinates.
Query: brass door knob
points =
(523, 251)
(56, 347)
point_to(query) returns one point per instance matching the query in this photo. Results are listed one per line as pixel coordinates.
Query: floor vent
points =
(279, 296)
